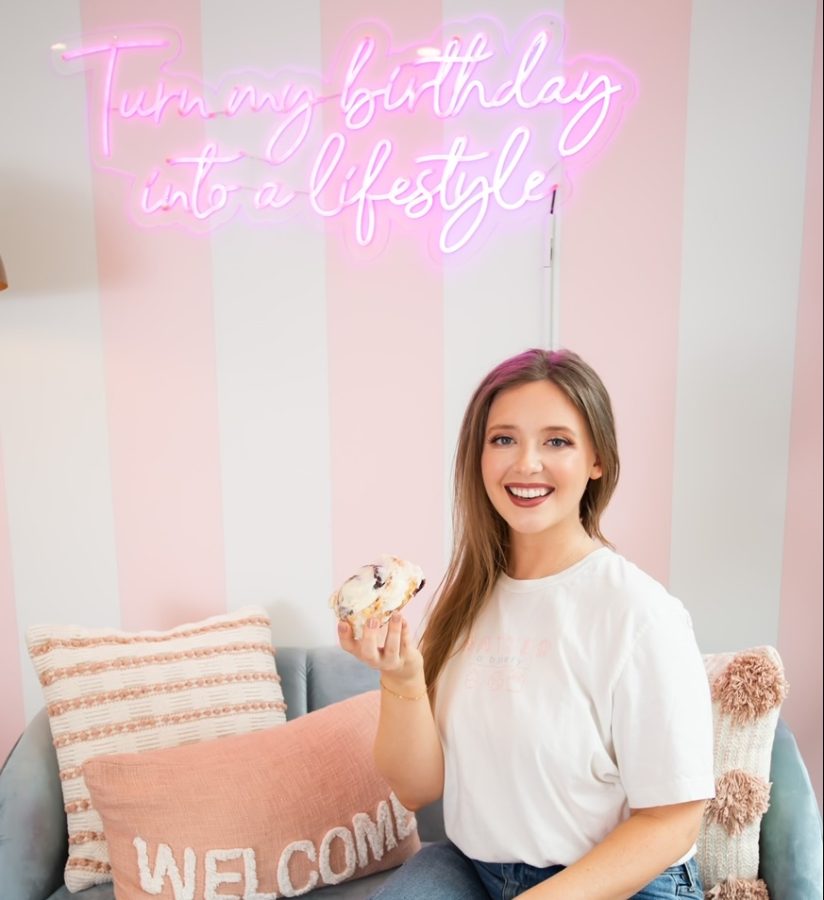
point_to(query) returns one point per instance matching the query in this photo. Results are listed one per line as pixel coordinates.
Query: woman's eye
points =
(558, 442)
(502, 440)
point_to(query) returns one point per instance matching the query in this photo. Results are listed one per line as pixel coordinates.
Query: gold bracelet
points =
(403, 696)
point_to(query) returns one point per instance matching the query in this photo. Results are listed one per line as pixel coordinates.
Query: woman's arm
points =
(408, 750)
(631, 856)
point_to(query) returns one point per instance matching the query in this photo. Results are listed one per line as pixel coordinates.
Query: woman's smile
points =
(526, 495)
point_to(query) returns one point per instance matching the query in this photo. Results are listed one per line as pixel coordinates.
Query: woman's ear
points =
(596, 471)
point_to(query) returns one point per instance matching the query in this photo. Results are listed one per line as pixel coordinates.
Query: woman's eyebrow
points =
(563, 428)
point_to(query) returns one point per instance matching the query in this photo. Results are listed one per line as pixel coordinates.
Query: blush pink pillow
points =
(276, 812)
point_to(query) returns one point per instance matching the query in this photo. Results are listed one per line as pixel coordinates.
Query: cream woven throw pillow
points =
(110, 691)
(748, 689)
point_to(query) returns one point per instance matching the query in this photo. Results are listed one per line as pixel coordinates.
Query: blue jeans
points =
(441, 872)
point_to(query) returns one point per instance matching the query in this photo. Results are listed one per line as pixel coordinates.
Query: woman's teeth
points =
(528, 493)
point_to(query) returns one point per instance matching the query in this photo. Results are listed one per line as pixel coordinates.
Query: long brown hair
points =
(481, 537)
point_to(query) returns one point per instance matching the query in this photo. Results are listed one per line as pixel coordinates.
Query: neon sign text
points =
(452, 86)
(341, 148)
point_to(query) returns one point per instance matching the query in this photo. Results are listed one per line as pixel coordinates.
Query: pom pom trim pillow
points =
(110, 691)
(271, 814)
(747, 689)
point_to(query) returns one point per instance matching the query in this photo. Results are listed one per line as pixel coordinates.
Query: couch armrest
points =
(791, 843)
(33, 836)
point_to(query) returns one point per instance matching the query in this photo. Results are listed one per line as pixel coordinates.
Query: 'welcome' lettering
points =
(369, 838)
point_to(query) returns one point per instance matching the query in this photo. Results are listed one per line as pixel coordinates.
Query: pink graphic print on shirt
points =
(501, 662)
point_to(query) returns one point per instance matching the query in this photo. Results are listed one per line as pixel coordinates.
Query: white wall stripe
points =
(749, 96)
(52, 407)
(496, 299)
(270, 310)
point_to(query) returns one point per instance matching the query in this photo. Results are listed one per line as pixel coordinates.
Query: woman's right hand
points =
(395, 656)
(407, 747)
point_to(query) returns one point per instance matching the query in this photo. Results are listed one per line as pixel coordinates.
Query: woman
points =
(569, 724)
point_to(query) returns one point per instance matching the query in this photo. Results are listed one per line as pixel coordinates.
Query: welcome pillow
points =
(110, 691)
(270, 814)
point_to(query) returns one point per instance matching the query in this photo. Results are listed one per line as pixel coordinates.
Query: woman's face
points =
(537, 459)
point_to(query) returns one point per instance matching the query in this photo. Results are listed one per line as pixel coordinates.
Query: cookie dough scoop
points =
(376, 591)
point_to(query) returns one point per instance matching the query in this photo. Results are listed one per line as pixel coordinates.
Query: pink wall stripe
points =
(14, 717)
(385, 343)
(159, 351)
(802, 586)
(629, 201)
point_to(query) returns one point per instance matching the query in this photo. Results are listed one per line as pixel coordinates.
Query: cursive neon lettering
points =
(298, 120)
(205, 200)
(465, 85)
(449, 99)
(465, 196)
(364, 203)
(353, 102)
(511, 154)
(272, 195)
(597, 94)
(255, 100)
(155, 108)
(326, 162)
(112, 54)
(168, 196)
(288, 155)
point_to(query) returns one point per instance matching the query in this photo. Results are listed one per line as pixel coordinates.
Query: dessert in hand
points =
(376, 591)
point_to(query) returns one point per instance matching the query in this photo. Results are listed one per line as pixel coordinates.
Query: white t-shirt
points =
(578, 696)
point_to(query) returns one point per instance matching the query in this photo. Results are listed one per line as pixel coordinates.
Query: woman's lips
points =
(527, 496)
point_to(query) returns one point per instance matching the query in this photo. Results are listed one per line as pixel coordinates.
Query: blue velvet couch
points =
(33, 837)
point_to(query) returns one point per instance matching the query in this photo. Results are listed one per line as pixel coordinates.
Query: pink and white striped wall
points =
(193, 422)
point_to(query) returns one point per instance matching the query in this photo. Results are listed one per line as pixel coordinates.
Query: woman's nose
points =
(529, 460)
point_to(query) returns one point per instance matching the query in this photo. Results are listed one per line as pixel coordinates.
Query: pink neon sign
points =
(454, 134)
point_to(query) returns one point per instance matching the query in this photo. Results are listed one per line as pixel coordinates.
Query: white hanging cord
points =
(549, 263)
